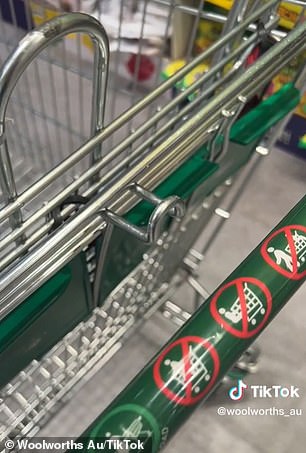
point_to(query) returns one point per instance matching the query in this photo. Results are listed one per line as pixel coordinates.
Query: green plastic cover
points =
(44, 318)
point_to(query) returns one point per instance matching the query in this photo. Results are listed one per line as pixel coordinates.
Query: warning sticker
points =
(285, 251)
(129, 421)
(242, 306)
(187, 369)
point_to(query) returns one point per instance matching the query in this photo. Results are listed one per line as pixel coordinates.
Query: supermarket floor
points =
(278, 184)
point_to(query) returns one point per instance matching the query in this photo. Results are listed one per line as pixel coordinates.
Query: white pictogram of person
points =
(281, 256)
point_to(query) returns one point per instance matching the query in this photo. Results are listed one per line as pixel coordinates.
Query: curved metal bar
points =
(172, 206)
(29, 47)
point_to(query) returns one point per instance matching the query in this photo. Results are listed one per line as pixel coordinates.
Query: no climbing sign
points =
(285, 251)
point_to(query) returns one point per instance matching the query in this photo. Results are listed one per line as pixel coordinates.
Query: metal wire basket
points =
(73, 204)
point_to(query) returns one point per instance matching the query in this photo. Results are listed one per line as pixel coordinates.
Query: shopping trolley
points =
(136, 209)
(198, 371)
(253, 307)
(300, 247)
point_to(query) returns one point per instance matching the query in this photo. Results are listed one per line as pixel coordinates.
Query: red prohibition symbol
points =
(242, 306)
(187, 370)
(289, 259)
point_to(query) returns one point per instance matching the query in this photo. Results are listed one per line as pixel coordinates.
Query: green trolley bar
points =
(190, 366)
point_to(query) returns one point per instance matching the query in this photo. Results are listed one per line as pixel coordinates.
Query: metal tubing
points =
(35, 268)
(172, 206)
(191, 365)
(235, 15)
(100, 79)
(152, 232)
(91, 172)
(91, 144)
(217, 17)
(29, 47)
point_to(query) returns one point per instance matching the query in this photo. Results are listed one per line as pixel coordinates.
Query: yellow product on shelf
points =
(189, 78)
(225, 4)
(287, 75)
(207, 33)
(172, 68)
(44, 11)
(87, 41)
(288, 12)
(41, 12)
(193, 75)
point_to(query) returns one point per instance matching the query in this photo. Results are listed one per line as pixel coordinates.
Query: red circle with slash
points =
(246, 331)
(191, 395)
(293, 274)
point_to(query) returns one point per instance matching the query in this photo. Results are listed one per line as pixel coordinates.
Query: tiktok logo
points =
(236, 393)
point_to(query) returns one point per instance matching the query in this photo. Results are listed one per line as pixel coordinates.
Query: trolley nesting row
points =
(86, 259)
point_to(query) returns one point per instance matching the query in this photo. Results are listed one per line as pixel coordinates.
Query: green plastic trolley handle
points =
(190, 366)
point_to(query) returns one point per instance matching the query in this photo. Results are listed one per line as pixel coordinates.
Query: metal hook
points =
(172, 206)
(219, 143)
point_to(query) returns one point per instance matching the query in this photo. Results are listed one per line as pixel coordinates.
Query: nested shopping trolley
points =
(99, 214)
